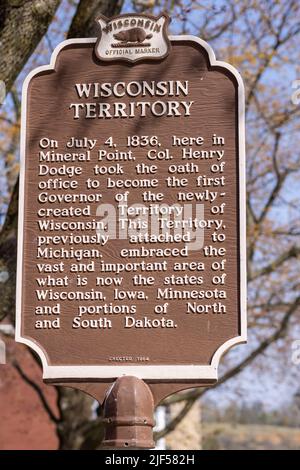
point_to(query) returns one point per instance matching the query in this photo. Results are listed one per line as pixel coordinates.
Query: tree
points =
(260, 39)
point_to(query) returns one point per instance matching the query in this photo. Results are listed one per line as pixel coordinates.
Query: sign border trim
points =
(146, 372)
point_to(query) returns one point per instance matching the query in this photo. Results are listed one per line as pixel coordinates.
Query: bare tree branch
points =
(292, 252)
(83, 24)
(38, 391)
(33, 18)
(192, 396)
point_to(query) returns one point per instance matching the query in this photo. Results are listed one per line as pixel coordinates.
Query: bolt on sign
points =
(131, 257)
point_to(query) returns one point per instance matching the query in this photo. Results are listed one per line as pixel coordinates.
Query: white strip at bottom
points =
(166, 372)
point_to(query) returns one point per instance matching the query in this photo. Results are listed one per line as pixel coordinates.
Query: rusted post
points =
(128, 415)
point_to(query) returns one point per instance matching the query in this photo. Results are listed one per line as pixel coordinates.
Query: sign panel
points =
(131, 257)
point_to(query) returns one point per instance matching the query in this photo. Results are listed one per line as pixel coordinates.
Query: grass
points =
(227, 436)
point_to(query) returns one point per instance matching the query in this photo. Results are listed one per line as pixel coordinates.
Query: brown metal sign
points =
(131, 257)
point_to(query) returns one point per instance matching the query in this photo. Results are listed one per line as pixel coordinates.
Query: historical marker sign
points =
(131, 252)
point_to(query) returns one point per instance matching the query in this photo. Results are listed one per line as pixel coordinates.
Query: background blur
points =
(256, 403)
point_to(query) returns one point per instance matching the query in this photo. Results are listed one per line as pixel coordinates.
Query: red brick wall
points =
(24, 424)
